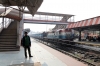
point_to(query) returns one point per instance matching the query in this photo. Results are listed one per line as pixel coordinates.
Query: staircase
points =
(8, 38)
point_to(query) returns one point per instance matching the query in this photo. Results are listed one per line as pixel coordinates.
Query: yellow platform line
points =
(38, 62)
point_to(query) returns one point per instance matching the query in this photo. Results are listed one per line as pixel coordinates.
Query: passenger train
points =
(64, 34)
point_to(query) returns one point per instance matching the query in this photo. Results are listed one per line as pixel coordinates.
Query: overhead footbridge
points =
(48, 18)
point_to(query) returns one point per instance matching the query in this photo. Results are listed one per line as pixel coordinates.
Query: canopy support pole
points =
(79, 35)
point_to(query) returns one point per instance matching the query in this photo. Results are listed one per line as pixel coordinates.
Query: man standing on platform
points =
(26, 43)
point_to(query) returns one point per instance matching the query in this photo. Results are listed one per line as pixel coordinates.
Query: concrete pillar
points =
(80, 35)
(19, 32)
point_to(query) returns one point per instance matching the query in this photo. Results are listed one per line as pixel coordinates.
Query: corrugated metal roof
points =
(84, 23)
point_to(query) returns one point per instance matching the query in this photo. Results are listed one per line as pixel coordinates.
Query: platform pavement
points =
(76, 40)
(41, 57)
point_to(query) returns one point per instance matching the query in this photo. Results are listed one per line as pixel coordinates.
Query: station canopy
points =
(88, 24)
(32, 5)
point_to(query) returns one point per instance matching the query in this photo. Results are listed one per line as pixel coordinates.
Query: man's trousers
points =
(25, 51)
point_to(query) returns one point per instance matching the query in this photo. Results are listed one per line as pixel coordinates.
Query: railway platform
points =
(42, 56)
(91, 43)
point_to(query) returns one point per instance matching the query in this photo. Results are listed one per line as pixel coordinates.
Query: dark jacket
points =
(23, 42)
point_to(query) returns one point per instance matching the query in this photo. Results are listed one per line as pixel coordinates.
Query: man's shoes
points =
(30, 56)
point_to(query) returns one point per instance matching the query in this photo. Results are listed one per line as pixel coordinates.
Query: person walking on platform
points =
(26, 43)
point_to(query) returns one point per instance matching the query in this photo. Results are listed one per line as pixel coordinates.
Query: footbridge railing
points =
(1, 27)
(5, 23)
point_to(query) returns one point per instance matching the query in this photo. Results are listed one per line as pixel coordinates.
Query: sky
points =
(82, 9)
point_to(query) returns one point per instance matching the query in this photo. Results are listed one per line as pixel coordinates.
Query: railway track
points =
(78, 54)
(87, 54)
